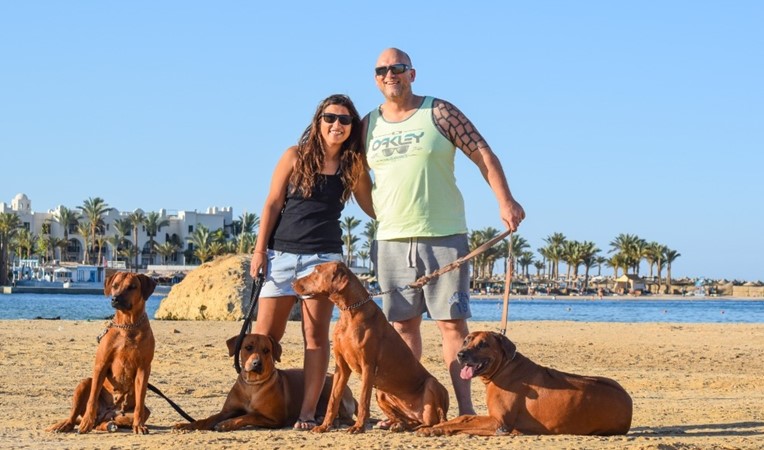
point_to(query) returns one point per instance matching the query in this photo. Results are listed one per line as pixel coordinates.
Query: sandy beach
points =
(693, 386)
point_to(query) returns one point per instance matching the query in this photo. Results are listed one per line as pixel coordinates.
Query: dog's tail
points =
(177, 408)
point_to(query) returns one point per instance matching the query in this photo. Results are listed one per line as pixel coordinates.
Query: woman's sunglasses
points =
(396, 69)
(331, 118)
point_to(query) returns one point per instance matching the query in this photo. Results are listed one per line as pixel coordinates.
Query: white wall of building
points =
(181, 223)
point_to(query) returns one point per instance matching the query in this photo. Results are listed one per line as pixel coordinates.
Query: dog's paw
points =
(397, 427)
(355, 429)
(429, 431)
(86, 425)
(320, 429)
(61, 427)
(140, 429)
(226, 426)
(182, 426)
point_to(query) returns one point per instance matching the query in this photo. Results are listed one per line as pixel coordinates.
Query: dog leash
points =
(257, 284)
(423, 280)
(507, 287)
(177, 408)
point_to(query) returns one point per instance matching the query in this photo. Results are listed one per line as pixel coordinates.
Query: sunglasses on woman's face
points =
(331, 118)
(396, 69)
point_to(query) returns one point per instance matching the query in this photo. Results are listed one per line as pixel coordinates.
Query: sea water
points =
(98, 307)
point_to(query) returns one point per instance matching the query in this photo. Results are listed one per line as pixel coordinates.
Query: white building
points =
(181, 225)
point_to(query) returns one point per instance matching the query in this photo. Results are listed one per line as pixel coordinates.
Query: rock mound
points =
(216, 290)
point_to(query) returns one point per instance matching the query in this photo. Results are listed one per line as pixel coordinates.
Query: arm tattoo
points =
(456, 127)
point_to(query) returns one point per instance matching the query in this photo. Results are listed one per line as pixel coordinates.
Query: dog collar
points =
(356, 304)
(124, 326)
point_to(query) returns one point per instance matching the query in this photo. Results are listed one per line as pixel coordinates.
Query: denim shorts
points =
(284, 268)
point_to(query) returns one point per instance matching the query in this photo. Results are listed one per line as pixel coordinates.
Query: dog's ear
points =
(147, 285)
(341, 277)
(231, 343)
(107, 284)
(507, 346)
(276, 349)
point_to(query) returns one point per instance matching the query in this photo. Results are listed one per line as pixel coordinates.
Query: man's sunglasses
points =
(397, 69)
(331, 118)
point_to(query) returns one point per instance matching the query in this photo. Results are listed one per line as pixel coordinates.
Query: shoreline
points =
(78, 290)
(657, 297)
(165, 290)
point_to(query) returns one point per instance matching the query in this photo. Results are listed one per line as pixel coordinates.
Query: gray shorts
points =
(400, 262)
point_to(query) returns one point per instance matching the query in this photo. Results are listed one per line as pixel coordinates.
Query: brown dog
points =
(526, 398)
(365, 342)
(115, 395)
(264, 396)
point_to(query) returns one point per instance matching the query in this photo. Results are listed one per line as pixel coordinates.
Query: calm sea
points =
(98, 307)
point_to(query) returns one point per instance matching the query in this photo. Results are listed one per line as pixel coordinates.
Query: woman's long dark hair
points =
(310, 151)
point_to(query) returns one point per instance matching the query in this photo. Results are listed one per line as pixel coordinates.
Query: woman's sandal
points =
(304, 425)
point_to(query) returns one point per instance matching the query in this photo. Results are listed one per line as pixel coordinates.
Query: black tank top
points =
(311, 225)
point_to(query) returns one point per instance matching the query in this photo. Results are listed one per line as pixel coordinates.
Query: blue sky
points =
(609, 117)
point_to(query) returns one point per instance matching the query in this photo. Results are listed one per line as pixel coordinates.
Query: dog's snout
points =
(256, 366)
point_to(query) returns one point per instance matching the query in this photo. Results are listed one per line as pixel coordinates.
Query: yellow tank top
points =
(414, 191)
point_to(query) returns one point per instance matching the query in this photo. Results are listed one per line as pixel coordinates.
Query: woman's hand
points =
(259, 263)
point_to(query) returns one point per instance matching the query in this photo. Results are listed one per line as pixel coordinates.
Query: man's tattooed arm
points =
(457, 127)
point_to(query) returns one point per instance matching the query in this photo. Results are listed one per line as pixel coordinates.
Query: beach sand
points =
(693, 386)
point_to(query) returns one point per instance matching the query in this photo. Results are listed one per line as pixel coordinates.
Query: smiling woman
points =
(300, 228)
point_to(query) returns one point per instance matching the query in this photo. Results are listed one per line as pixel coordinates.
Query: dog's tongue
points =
(467, 373)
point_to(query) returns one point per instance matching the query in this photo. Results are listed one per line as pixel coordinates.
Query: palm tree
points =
(136, 218)
(84, 229)
(244, 231)
(246, 223)
(99, 241)
(654, 257)
(154, 223)
(348, 224)
(632, 249)
(571, 254)
(519, 247)
(166, 250)
(539, 265)
(201, 240)
(589, 258)
(492, 254)
(63, 246)
(671, 256)
(480, 264)
(66, 218)
(640, 252)
(244, 243)
(553, 252)
(617, 261)
(475, 240)
(119, 242)
(93, 209)
(370, 233)
(9, 226)
(25, 240)
(599, 262)
(363, 254)
(44, 246)
(525, 260)
(48, 245)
